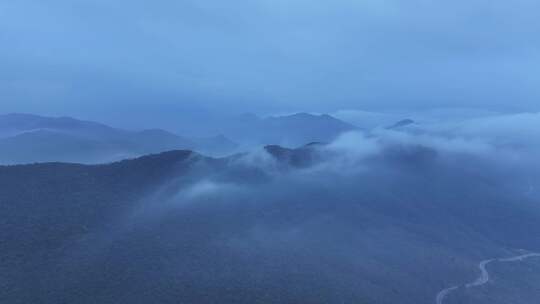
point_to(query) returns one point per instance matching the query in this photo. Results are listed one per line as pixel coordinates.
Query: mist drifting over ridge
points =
(380, 216)
(269, 151)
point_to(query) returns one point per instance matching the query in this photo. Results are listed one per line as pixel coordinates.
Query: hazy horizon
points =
(162, 62)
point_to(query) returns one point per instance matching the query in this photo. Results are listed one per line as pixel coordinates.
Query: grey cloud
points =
(266, 56)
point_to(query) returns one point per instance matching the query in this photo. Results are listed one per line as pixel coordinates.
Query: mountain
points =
(301, 157)
(48, 146)
(29, 122)
(290, 130)
(396, 227)
(401, 124)
(28, 138)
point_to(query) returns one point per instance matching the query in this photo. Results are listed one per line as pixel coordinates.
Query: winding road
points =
(484, 275)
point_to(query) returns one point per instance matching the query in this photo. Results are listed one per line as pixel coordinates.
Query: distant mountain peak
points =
(315, 144)
(303, 115)
(25, 122)
(302, 157)
(28, 138)
(290, 130)
(402, 123)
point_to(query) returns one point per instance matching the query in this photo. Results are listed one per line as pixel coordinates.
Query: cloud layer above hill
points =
(386, 216)
(264, 56)
(367, 213)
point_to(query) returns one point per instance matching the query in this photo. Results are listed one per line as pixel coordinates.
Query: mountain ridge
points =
(28, 138)
(204, 226)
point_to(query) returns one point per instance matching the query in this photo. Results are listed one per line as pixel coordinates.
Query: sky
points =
(154, 62)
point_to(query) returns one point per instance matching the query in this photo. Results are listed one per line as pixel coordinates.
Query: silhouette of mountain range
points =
(180, 226)
(28, 138)
(289, 130)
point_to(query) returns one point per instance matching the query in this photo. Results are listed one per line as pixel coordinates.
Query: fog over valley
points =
(269, 152)
(388, 215)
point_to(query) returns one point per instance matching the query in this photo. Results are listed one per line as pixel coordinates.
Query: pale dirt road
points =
(484, 275)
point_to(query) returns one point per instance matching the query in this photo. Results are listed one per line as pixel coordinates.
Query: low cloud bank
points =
(386, 216)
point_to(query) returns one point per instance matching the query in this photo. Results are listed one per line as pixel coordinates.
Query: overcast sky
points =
(129, 59)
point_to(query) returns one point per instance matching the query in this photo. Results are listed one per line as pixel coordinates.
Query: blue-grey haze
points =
(132, 63)
(427, 164)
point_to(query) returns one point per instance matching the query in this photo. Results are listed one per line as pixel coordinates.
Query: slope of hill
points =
(179, 226)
